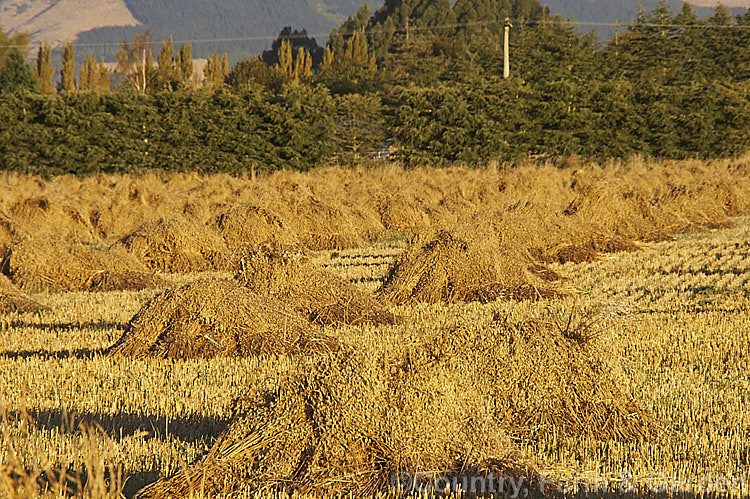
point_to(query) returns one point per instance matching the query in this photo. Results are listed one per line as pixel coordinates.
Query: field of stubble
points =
(585, 328)
(677, 320)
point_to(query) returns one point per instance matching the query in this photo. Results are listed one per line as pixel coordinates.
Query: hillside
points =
(624, 11)
(244, 26)
(60, 20)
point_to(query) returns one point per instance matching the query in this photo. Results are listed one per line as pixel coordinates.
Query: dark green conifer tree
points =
(15, 74)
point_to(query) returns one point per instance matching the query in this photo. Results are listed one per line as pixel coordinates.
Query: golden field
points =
(585, 325)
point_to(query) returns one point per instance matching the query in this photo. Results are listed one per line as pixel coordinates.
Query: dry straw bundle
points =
(548, 377)
(54, 265)
(438, 401)
(696, 196)
(651, 203)
(329, 225)
(352, 424)
(549, 236)
(557, 237)
(7, 233)
(330, 210)
(12, 300)
(250, 225)
(465, 263)
(177, 245)
(36, 215)
(313, 292)
(212, 317)
(620, 208)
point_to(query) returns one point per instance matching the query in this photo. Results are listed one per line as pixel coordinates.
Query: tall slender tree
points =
(360, 21)
(94, 76)
(286, 58)
(166, 71)
(89, 74)
(224, 66)
(67, 73)
(43, 69)
(302, 64)
(216, 70)
(185, 65)
(104, 85)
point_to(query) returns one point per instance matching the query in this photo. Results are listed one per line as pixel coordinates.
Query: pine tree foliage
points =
(15, 74)
(19, 41)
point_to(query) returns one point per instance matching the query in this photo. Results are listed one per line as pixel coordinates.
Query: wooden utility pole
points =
(506, 49)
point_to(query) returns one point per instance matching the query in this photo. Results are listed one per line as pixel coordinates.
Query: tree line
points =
(423, 77)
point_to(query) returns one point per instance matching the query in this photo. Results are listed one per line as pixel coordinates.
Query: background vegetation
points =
(420, 76)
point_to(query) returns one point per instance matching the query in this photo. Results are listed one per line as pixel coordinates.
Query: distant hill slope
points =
(624, 11)
(58, 21)
(246, 27)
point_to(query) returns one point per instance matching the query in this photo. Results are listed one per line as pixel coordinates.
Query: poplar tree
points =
(94, 76)
(286, 58)
(104, 85)
(302, 64)
(166, 62)
(327, 58)
(209, 70)
(185, 66)
(224, 66)
(43, 69)
(67, 73)
(355, 53)
(89, 75)
(216, 70)
(360, 21)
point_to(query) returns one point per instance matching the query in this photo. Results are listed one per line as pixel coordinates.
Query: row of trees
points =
(424, 75)
(135, 65)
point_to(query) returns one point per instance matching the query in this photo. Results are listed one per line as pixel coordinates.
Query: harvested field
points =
(7, 234)
(217, 317)
(314, 293)
(54, 265)
(628, 377)
(652, 204)
(558, 237)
